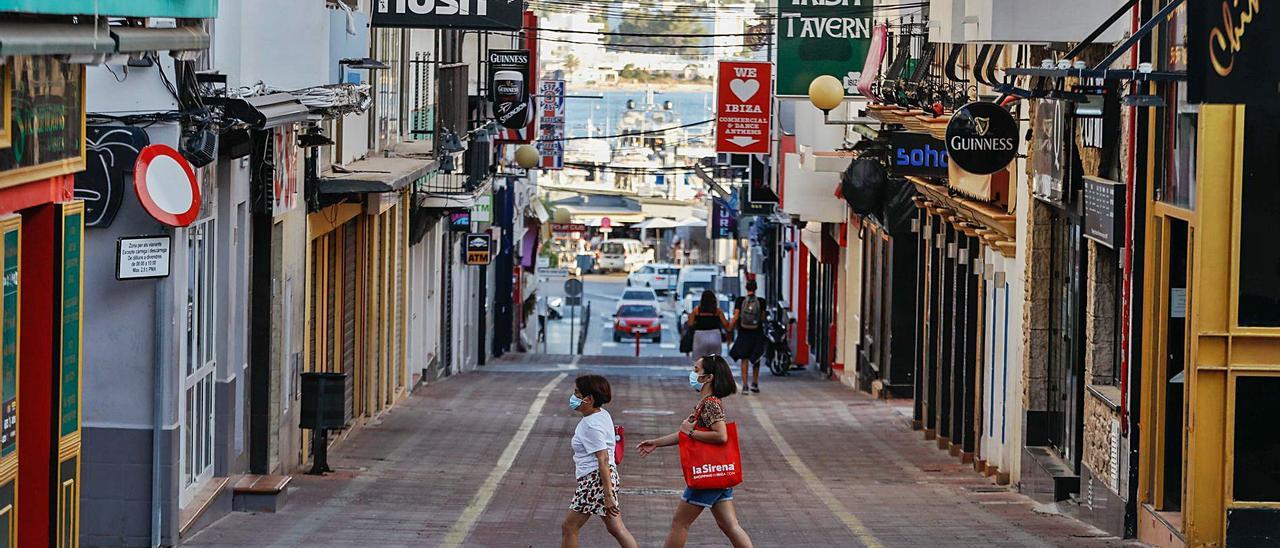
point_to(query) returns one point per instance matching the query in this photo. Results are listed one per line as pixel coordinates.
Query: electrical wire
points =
(621, 135)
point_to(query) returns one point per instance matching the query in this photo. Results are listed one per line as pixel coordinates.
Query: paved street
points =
(602, 291)
(483, 459)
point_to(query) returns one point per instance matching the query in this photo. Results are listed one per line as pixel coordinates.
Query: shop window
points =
(1260, 199)
(1177, 122)
(1257, 449)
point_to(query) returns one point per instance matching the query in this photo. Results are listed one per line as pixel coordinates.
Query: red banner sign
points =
(744, 101)
(568, 227)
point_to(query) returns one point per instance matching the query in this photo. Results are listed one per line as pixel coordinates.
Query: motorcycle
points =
(778, 350)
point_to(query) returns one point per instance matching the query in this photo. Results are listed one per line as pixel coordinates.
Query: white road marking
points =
(819, 489)
(461, 528)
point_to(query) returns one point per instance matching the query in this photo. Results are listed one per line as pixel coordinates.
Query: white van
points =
(620, 255)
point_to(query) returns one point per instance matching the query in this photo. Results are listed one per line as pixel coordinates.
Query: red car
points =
(633, 319)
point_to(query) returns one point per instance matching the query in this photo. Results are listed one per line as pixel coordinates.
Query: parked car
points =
(642, 295)
(695, 279)
(620, 255)
(634, 318)
(660, 276)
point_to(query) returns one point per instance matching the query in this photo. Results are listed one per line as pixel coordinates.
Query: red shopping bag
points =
(711, 465)
(619, 444)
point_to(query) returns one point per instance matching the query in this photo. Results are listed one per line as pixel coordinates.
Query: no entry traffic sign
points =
(744, 102)
(166, 185)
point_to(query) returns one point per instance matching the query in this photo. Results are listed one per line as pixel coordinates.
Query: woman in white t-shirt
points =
(593, 449)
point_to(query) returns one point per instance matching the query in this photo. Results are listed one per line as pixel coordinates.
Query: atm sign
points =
(918, 154)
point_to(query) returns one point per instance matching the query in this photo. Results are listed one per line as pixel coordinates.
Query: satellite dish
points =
(166, 185)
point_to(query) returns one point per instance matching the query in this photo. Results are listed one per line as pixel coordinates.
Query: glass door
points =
(197, 406)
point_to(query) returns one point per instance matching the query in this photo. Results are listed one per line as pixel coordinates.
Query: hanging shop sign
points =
(753, 207)
(1104, 211)
(482, 211)
(142, 257)
(460, 221)
(917, 154)
(724, 221)
(1053, 144)
(286, 178)
(46, 122)
(1233, 53)
(744, 99)
(525, 134)
(479, 248)
(508, 80)
(551, 123)
(822, 37)
(112, 152)
(166, 185)
(982, 138)
(448, 14)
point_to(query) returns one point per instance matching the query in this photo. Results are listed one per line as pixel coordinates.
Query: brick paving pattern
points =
(405, 480)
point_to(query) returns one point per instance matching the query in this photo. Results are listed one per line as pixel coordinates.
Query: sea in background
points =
(604, 114)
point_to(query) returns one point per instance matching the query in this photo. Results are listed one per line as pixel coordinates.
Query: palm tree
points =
(571, 64)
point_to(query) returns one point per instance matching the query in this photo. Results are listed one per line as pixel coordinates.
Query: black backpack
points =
(749, 318)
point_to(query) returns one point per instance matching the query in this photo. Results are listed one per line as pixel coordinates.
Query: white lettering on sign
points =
(827, 27)
(145, 257)
(438, 7)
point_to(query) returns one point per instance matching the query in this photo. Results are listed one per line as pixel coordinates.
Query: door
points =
(197, 406)
(1170, 366)
(1066, 322)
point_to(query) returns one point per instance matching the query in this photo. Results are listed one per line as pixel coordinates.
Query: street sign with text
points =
(448, 14)
(744, 99)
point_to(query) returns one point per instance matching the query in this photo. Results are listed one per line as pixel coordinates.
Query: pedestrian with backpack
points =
(709, 456)
(750, 343)
(593, 462)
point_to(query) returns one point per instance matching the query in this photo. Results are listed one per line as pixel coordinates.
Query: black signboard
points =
(449, 14)
(112, 151)
(1233, 52)
(750, 206)
(982, 138)
(1052, 151)
(460, 220)
(917, 154)
(1104, 211)
(509, 87)
(724, 220)
(479, 248)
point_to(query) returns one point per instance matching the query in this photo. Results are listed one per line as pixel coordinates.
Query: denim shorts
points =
(706, 498)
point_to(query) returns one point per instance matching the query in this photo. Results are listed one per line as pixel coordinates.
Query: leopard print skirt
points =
(588, 498)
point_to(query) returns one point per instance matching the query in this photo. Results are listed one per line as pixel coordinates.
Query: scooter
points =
(778, 352)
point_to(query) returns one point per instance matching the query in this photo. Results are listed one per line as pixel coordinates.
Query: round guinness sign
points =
(982, 138)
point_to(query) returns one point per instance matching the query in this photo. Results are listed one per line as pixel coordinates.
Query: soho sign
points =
(982, 138)
(466, 14)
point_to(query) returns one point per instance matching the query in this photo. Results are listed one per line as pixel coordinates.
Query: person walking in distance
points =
(708, 324)
(749, 344)
(593, 451)
(542, 319)
(712, 378)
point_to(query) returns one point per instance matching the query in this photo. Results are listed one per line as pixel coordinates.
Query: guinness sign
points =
(509, 88)
(982, 138)
(1233, 52)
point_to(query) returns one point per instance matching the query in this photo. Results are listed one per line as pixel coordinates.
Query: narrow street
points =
(602, 292)
(482, 459)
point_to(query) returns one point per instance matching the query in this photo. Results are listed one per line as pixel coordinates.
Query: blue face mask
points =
(694, 383)
(574, 401)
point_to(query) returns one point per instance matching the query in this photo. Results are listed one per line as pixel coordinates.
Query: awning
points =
(138, 39)
(657, 222)
(31, 38)
(374, 175)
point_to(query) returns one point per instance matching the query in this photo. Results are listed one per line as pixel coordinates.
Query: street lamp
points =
(527, 157)
(826, 92)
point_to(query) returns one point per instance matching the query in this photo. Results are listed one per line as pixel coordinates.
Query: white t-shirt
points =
(594, 432)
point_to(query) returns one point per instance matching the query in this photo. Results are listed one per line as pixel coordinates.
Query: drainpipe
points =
(159, 389)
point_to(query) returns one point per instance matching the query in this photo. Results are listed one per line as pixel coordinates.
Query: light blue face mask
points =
(574, 402)
(694, 383)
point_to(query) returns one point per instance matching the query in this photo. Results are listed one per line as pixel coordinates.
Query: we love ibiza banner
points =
(744, 102)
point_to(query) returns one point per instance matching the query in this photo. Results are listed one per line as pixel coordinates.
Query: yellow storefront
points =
(1210, 454)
